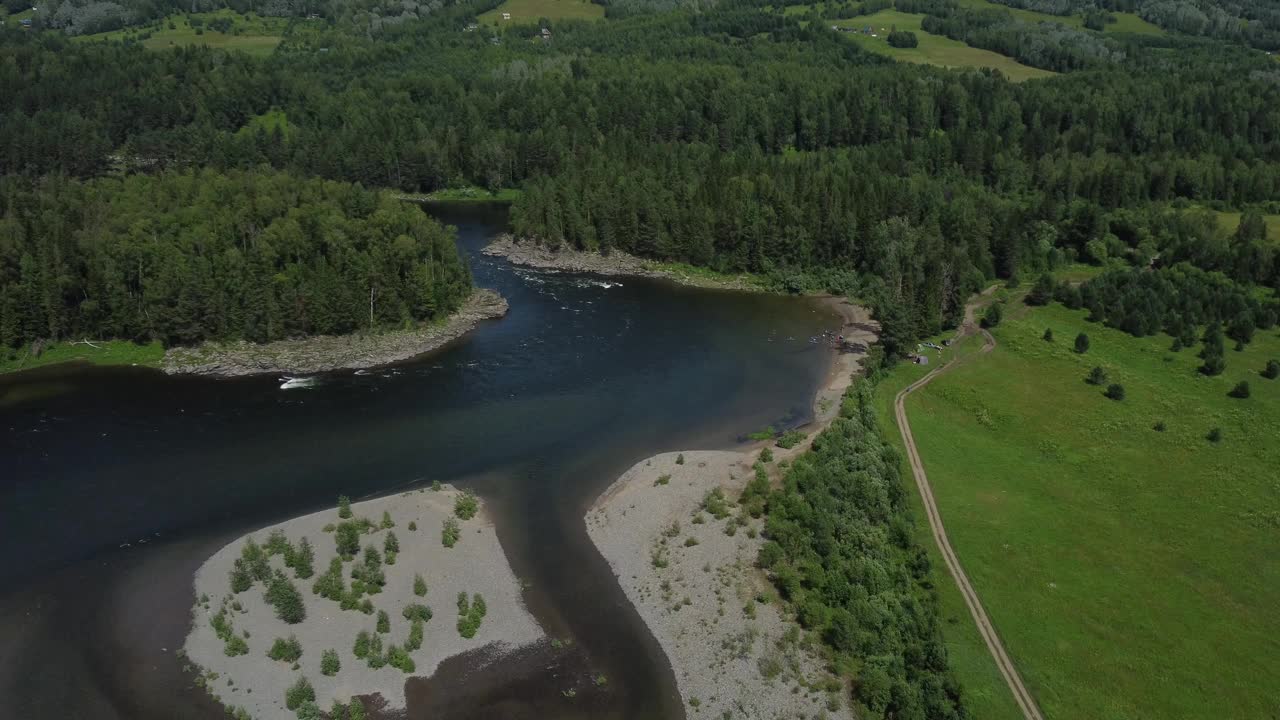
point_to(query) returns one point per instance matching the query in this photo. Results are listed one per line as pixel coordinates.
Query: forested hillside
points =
(185, 257)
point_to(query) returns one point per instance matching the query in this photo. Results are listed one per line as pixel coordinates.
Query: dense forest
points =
(184, 257)
(842, 552)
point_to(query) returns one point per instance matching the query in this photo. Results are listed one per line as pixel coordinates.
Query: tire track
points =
(1021, 695)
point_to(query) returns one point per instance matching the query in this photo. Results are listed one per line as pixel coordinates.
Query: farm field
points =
(933, 49)
(1120, 565)
(531, 11)
(251, 34)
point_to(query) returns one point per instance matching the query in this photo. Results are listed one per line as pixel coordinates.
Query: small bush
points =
(1159, 426)
(470, 613)
(329, 663)
(1048, 335)
(766, 455)
(361, 649)
(302, 560)
(436, 486)
(235, 645)
(384, 622)
(1097, 376)
(663, 479)
(1115, 391)
(450, 533)
(1082, 343)
(419, 585)
(416, 611)
(1215, 435)
(241, 580)
(415, 636)
(680, 459)
(398, 658)
(413, 526)
(387, 522)
(1241, 390)
(391, 544)
(465, 506)
(355, 710)
(277, 544)
(347, 539)
(790, 439)
(286, 599)
(992, 317)
(715, 504)
(344, 507)
(285, 650)
(1272, 370)
(298, 693)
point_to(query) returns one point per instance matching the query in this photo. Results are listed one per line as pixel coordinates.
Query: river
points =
(117, 483)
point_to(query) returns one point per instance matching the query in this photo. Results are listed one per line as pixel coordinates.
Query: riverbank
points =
(326, 353)
(475, 565)
(616, 263)
(685, 553)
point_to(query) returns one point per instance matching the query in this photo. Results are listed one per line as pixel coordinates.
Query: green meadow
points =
(933, 49)
(1123, 566)
(109, 352)
(531, 11)
(1125, 22)
(1229, 221)
(250, 33)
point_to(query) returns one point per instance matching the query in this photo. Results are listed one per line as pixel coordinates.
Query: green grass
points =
(933, 49)
(1229, 221)
(476, 194)
(531, 11)
(1131, 573)
(252, 34)
(109, 352)
(1125, 22)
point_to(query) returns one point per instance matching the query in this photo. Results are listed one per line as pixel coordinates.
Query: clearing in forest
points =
(1119, 562)
(531, 11)
(253, 34)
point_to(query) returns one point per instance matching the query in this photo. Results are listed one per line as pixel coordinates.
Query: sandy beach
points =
(326, 353)
(692, 577)
(475, 565)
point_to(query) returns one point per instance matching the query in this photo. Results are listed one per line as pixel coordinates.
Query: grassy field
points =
(933, 49)
(109, 352)
(252, 34)
(1131, 573)
(1229, 221)
(531, 11)
(1125, 22)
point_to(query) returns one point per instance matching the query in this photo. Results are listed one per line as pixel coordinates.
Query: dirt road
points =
(1020, 693)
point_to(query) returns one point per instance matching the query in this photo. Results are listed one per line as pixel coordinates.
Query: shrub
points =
(366, 606)
(1082, 343)
(355, 709)
(330, 584)
(790, 439)
(690, 541)
(1097, 376)
(1042, 292)
(436, 486)
(375, 658)
(391, 544)
(1214, 364)
(416, 611)
(450, 534)
(277, 544)
(1241, 390)
(1048, 335)
(992, 316)
(714, 503)
(384, 622)
(255, 561)
(415, 636)
(347, 539)
(329, 663)
(766, 455)
(470, 614)
(241, 580)
(361, 649)
(286, 599)
(680, 459)
(419, 585)
(465, 506)
(903, 39)
(398, 658)
(298, 693)
(1272, 371)
(663, 479)
(286, 650)
(1215, 435)
(1159, 426)
(344, 507)
(413, 526)
(387, 522)
(1115, 391)
(235, 645)
(303, 560)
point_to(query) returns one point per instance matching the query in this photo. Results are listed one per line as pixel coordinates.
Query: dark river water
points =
(116, 484)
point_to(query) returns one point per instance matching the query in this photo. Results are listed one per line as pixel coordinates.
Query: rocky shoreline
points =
(685, 555)
(327, 353)
(530, 253)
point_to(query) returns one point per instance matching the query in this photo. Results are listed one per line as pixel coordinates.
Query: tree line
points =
(202, 255)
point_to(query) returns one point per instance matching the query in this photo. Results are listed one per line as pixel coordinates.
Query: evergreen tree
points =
(1082, 343)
